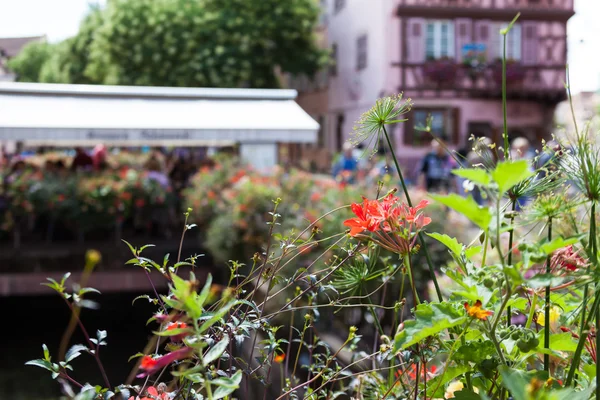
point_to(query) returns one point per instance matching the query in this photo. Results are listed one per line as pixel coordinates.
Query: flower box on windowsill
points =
(515, 72)
(441, 71)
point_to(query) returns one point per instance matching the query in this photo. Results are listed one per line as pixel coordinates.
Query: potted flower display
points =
(441, 71)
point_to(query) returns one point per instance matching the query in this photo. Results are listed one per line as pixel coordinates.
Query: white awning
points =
(121, 115)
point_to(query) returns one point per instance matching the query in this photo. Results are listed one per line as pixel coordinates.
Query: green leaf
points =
(466, 394)
(543, 280)
(480, 216)
(88, 290)
(217, 316)
(438, 381)
(476, 175)
(226, 386)
(74, 352)
(516, 381)
(471, 251)
(205, 291)
(173, 332)
(559, 341)
(430, 319)
(475, 352)
(508, 173)
(216, 351)
(41, 363)
(133, 249)
(450, 242)
(558, 243)
(46, 352)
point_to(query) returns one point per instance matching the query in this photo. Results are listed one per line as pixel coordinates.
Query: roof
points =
(52, 113)
(13, 45)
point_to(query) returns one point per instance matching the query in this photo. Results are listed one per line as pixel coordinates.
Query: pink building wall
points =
(530, 106)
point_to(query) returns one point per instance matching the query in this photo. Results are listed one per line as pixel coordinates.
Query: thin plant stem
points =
(505, 119)
(485, 247)
(547, 305)
(510, 251)
(582, 339)
(531, 311)
(421, 237)
(411, 279)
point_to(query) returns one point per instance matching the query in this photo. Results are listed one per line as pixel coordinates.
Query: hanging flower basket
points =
(442, 71)
(515, 72)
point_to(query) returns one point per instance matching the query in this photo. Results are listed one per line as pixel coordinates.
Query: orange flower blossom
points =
(476, 311)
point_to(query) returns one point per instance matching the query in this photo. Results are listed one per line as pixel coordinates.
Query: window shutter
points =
(415, 42)
(530, 41)
(463, 35)
(483, 35)
(456, 126)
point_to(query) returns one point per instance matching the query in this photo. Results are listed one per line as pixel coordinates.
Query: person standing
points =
(435, 168)
(346, 166)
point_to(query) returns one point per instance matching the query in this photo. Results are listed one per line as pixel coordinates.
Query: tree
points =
(70, 58)
(28, 63)
(220, 43)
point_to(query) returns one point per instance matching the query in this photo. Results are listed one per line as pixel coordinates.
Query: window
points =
(439, 39)
(338, 5)
(361, 52)
(334, 60)
(513, 41)
(443, 125)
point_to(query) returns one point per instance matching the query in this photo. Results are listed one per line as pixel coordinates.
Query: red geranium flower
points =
(393, 223)
(151, 365)
(363, 220)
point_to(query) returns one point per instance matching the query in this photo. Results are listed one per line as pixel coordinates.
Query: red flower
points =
(363, 221)
(154, 394)
(140, 203)
(393, 223)
(412, 372)
(61, 198)
(151, 365)
(178, 325)
(316, 196)
(568, 259)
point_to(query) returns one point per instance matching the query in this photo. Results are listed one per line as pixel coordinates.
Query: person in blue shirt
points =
(347, 164)
(436, 167)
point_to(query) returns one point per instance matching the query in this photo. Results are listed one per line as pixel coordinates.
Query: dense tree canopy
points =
(220, 43)
(29, 62)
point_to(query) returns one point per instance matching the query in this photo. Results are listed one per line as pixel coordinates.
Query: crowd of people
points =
(433, 172)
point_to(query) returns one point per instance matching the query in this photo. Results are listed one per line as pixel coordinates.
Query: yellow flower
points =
(555, 313)
(92, 257)
(456, 386)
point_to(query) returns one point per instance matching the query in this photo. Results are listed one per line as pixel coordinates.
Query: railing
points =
(534, 81)
(566, 5)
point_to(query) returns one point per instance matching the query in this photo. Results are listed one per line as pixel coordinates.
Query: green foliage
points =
(509, 173)
(70, 59)
(214, 43)
(29, 62)
(480, 216)
(430, 319)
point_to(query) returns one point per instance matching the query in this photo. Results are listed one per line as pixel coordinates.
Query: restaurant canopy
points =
(85, 115)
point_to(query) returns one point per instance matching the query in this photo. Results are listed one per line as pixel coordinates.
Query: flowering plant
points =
(521, 324)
